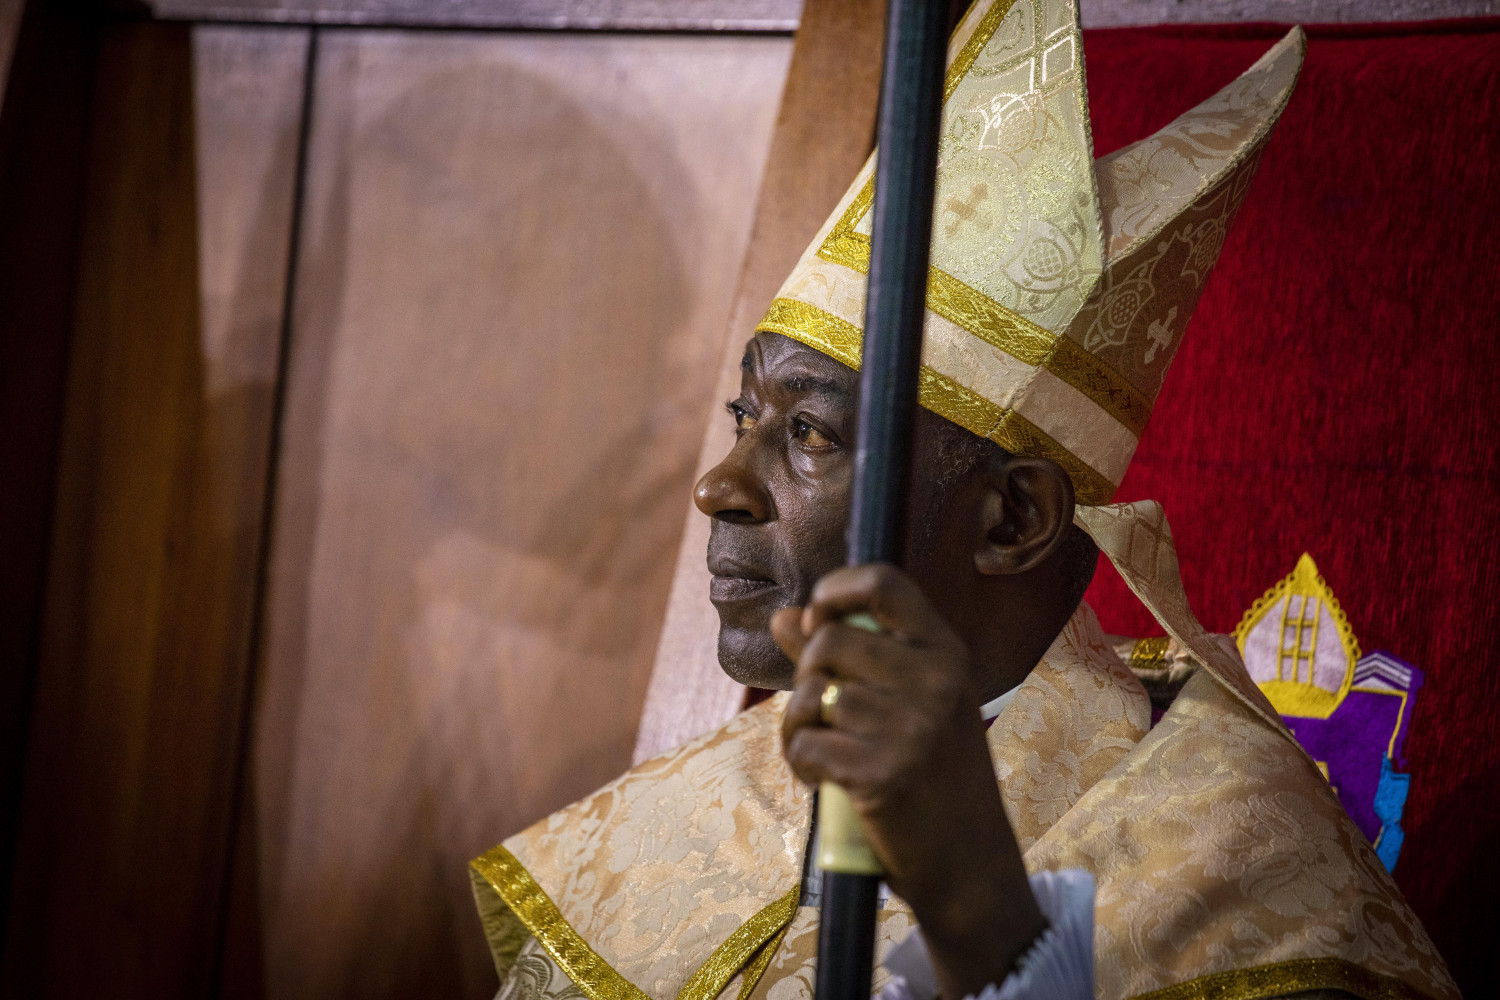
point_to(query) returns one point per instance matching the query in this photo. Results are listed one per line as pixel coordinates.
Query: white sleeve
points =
(1058, 966)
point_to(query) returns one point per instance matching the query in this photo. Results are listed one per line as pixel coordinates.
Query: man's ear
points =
(1027, 508)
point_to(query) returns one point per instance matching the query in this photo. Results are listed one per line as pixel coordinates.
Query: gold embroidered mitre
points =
(1059, 286)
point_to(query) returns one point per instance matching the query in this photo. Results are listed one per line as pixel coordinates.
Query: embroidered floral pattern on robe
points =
(1215, 842)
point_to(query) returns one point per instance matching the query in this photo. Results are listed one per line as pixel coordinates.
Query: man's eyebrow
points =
(803, 382)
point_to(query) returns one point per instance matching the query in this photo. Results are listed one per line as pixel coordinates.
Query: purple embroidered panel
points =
(1369, 724)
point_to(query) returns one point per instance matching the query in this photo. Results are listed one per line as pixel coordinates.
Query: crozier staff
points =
(910, 109)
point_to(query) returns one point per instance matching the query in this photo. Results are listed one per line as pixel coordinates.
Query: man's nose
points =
(732, 492)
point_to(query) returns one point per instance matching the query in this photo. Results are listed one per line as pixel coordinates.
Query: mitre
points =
(1059, 285)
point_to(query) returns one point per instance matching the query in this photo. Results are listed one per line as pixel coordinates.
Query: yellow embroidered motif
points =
(1298, 646)
(1149, 653)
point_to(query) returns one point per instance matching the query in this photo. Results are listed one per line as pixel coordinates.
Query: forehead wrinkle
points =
(802, 382)
(785, 364)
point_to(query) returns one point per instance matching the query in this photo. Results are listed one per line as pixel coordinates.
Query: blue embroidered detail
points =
(1390, 802)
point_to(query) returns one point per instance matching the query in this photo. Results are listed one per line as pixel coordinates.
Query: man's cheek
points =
(815, 562)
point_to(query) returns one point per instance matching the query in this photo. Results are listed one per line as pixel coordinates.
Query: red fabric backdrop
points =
(1336, 394)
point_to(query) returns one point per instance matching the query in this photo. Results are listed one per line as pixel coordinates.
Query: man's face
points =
(779, 500)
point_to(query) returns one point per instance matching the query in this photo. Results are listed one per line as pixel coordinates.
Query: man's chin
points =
(751, 657)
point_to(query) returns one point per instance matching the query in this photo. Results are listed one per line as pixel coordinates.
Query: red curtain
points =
(1336, 394)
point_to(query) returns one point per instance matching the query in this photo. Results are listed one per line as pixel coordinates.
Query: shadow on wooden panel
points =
(516, 257)
(250, 91)
(126, 816)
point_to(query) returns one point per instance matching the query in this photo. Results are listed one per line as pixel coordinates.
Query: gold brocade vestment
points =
(1224, 864)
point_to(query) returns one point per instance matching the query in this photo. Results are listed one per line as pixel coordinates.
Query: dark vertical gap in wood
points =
(122, 834)
(43, 148)
(237, 942)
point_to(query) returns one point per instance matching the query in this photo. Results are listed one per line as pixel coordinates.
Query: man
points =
(989, 731)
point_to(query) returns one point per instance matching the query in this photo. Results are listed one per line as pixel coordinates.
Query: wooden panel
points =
(824, 132)
(518, 256)
(585, 15)
(123, 849)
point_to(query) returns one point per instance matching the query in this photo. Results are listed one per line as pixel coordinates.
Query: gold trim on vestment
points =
(986, 29)
(755, 941)
(1298, 975)
(840, 340)
(531, 904)
(740, 947)
(818, 329)
(762, 960)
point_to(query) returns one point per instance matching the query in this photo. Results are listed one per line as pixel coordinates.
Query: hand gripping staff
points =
(911, 90)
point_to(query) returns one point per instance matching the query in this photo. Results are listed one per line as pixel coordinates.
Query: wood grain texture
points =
(125, 822)
(824, 131)
(519, 252)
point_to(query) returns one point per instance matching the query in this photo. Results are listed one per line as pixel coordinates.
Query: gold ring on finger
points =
(829, 699)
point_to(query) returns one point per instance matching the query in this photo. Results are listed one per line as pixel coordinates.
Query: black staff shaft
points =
(910, 110)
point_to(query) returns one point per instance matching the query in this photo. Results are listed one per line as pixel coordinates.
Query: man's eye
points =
(743, 418)
(810, 436)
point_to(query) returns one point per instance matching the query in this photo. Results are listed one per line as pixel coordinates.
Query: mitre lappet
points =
(1059, 285)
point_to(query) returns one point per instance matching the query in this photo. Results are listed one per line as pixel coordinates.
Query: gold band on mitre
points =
(1059, 286)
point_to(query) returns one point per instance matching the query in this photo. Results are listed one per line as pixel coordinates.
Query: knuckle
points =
(801, 757)
(801, 711)
(883, 582)
(790, 724)
(818, 653)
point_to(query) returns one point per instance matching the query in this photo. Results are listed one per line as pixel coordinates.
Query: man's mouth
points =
(735, 582)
